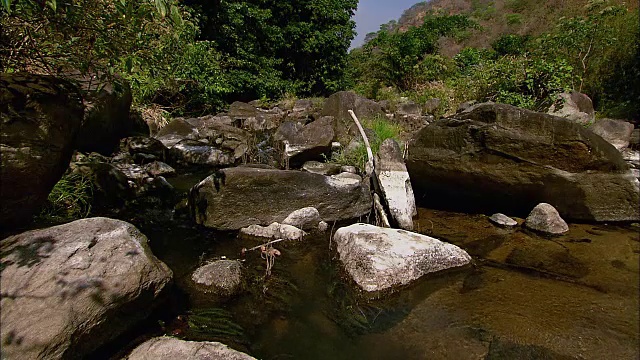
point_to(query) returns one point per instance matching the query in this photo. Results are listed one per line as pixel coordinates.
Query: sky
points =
(373, 13)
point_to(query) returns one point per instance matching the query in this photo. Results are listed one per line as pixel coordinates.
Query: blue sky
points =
(373, 13)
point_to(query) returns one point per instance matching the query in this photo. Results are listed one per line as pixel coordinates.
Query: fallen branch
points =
(262, 245)
(368, 169)
(380, 211)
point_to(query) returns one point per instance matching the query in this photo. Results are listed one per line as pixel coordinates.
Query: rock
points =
(191, 152)
(68, 289)
(321, 168)
(465, 106)
(306, 218)
(272, 232)
(616, 132)
(503, 220)
(323, 226)
(41, 116)
(158, 168)
(338, 104)
(143, 145)
(176, 131)
(222, 277)
(634, 142)
(165, 348)
(237, 197)
(379, 258)
(309, 142)
(574, 106)
(497, 157)
(395, 185)
(545, 218)
(632, 157)
(349, 169)
(252, 118)
(409, 108)
(431, 106)
(106, 117)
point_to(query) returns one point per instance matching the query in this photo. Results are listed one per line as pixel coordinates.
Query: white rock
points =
(379, 258)
(545, 218)
(503, 220)
(306, 218)
(166, 348)
(273, 231)
(395, 184)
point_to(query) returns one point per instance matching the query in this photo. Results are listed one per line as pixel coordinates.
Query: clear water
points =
(526, 297)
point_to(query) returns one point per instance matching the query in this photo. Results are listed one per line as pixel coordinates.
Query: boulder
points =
(545, 219)
(106, 117)
(272, 232)
(41, 116)
(432, 105)
(321, 168)
(191, 152)
(237, 197)
(395, 185)
(338, 104)
(309, 142)
(143, 145)
(502, 220)
(380, 258)
(165, 348)
(252, 118)
(68, 289)
(158, 168)
(222, 277)
(634, 142)
(306, 218)
(176, 131)
(616, 132)
(574, 106)
(497, 157)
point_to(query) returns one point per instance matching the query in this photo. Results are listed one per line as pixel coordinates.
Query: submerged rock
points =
(379, 258)
(545, 218)
(503, 220)
(395, 184)
(68, 289)
(165, 348)
(238, 197)
(222, 277)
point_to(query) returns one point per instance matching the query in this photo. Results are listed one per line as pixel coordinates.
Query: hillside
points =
(497, 17)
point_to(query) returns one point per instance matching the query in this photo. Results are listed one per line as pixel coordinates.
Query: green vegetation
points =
(70, 199)
(594, 53)
(381, 129)
(188, 57)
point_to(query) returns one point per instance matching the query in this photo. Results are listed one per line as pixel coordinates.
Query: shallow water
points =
(526, 297)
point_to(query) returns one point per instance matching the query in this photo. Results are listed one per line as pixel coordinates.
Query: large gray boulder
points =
(107, 113)
(497, 157)
(68, 289)
(338, 105)
(380, 258)
(238, 197)
(395, 184)
(40, 116)
(168, 348)
(574, 106)
(308, 142)
(616, 132)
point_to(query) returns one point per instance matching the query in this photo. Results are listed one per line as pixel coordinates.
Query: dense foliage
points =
(192, 57)
(596, 52)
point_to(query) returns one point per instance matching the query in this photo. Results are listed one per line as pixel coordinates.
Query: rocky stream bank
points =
(243, 229)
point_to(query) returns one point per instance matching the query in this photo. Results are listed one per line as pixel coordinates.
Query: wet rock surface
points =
(222, 277)
(68, 289)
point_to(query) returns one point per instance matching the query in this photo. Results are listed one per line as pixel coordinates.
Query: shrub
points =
(70, 199)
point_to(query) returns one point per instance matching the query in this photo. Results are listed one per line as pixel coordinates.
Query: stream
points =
(525, 297)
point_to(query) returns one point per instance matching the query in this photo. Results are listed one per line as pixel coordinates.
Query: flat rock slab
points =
(68, 289)
(238, 197)
(380, 258)
(168, 348)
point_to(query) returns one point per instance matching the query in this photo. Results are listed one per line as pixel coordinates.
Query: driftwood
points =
(369, 170)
